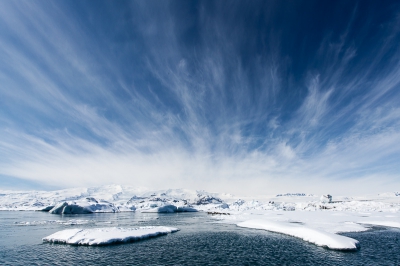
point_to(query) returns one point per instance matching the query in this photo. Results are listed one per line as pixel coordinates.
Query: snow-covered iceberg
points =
(312, 235)
(89, 205)
(170, 209)
(107, 235)
(185, 209)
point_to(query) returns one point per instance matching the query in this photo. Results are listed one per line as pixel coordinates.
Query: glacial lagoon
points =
(201, 241)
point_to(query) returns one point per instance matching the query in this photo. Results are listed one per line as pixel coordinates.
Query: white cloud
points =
(201, 128)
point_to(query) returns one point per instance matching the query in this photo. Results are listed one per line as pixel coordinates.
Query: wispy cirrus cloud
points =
(146, 94)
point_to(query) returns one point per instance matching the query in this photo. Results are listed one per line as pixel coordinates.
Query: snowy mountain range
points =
(117, 198)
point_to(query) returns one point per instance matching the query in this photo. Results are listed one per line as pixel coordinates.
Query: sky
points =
(245, 97)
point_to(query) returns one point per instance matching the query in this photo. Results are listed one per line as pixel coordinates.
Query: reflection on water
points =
(200, 242)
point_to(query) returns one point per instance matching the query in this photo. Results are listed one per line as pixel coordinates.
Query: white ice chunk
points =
(326, 199)
(107, 235)
(312, 235)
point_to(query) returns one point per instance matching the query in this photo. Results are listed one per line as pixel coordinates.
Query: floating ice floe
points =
(107, 235)
(312, 235)
(67, 222)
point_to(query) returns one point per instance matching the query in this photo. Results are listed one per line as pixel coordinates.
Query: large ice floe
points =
(312, 235)
(107, 235)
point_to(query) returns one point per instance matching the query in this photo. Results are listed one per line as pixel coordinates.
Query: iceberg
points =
(47, 208)
(170, 209)
(312, 235)
(186, 209)
(107, 235)
(163, 209)
(90, 205)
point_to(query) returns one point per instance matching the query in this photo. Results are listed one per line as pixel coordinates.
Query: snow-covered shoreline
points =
(296, 214)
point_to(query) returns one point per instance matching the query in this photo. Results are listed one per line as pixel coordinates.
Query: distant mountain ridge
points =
(117, 198)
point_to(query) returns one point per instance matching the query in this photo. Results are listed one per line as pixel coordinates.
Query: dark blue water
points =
(200, 242)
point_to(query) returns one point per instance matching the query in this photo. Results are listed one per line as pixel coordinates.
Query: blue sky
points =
(254, 97)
